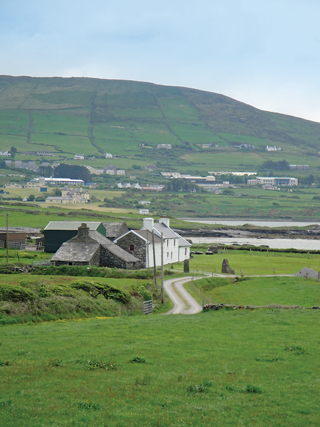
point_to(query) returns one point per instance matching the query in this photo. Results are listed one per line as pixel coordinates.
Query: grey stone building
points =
(92, 248)
(115, 229)
(139, 244)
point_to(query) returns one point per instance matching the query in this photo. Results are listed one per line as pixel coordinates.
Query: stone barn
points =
(92, 248)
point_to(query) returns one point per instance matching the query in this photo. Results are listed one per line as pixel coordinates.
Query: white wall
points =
(184, 253)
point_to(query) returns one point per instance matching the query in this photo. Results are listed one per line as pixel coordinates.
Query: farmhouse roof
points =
(167, 232)
(81, 249)
(115, 229)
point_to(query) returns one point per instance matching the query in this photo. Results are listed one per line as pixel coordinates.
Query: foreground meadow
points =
(226, 368)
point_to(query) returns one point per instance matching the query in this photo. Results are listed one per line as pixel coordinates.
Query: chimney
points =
(148, 224)
(83, 231)
(165, 221)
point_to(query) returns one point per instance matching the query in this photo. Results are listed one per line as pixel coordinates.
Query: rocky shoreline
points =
(270, 233)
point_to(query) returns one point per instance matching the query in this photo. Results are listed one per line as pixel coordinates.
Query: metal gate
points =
(147, 307)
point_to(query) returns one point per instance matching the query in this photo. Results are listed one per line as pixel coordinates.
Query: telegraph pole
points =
(7, 237)
(154, 260)
(162, 272)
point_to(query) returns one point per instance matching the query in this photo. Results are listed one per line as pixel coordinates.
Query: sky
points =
(265, 53)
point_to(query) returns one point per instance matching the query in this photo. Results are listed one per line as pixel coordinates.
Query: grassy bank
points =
(223, 369)
(251, 263)
(257, 291)
(34, 299)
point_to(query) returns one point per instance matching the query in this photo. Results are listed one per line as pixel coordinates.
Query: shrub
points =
(95, 288)
(199, 388)
(253, 389)
(15, 293)
(147, 296)
(138, 359)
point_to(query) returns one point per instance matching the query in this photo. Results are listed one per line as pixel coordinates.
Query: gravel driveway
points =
(183, 302)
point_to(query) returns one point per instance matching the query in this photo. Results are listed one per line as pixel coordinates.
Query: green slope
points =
(93, 116)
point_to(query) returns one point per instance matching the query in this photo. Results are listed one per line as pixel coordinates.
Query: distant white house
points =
(5, 154)
(299, 167)
(274, 148)
(108, 155)
(78, 157)
(144, 211)
(164, 146)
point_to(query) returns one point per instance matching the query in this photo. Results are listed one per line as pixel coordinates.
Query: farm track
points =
(183, 302)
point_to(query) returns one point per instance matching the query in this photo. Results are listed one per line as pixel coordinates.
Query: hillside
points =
(70, 116)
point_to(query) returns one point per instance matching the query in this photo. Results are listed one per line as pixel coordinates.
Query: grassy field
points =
(254, 263)
(257, 291)
(223, 369)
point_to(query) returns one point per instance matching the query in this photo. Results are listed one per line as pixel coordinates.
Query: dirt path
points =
(183, 302)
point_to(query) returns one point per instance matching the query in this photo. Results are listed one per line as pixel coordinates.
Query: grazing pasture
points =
(226, 368)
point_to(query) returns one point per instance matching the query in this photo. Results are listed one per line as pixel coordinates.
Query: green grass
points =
(222, 369)
(258, 291)
(122, 115)
(255, 263)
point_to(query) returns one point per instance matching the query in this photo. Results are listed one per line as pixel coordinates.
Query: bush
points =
(15, 293)
(146, 295)
(95, 288)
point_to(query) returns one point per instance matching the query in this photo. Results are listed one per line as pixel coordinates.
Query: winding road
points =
(183, 302)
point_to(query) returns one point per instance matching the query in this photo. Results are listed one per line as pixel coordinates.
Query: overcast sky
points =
(262, 52)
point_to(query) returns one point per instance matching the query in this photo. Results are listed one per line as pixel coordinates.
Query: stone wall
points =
(109, 259)
(139, 246)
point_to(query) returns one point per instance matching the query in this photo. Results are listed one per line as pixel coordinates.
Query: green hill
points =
(91, 116)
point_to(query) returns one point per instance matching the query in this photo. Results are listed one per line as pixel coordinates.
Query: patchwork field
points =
(224, 369)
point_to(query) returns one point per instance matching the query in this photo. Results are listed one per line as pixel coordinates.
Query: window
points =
(174, 242)
(167, 243)
(185, 251)
(131, 247)
(171, 255)
(167, 254)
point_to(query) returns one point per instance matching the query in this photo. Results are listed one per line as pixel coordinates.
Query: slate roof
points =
(112, 247)
(82, 250)
(145, 234)
(113, 229)
(167, 232)
(76, 251)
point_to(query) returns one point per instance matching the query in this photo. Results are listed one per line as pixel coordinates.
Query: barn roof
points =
(114, 229)
(71, 225)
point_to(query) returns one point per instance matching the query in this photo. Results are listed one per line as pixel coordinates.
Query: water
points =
(302, 244)
(271, 224)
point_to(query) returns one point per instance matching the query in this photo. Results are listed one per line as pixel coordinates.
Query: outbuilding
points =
(92, 248)
(58, 232)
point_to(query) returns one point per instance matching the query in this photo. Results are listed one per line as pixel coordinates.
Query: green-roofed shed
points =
(58, 232)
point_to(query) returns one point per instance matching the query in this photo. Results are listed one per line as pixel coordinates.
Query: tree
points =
(72, 172)
(45, 171)
(13, 151)
(31, 198)
(56, 192)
